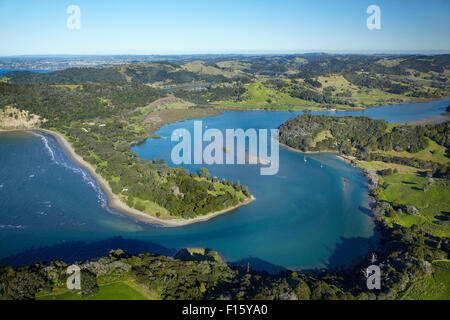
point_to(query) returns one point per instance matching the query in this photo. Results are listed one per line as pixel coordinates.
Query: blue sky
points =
(216, 26)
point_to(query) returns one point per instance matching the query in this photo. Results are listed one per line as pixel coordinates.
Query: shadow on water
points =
(81, 251)
(347, 253)
(351, 251)
(366, 211)
(257, 264)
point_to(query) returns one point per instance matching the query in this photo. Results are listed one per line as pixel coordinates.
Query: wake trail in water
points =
(11, 227)
(46, 145)
(60, 158)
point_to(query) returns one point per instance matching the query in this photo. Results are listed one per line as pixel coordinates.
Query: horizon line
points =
(362, 52)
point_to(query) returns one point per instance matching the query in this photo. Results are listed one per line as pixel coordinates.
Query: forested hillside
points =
(366, 139)
(275, 82)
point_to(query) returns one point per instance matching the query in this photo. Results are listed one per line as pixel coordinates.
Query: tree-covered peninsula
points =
(102, 121)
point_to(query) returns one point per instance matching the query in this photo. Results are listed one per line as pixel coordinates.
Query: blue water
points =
(399, 113)
(3, 71)
(303, 217)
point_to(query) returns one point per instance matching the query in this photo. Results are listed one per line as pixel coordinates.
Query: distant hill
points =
(274, 82)
(140, 73)
(67, 76)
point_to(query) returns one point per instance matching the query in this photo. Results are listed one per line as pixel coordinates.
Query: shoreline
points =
(325, 109)
(351, 162)
(311, 152)
(114, 201)
(443, 117)
(335, 153)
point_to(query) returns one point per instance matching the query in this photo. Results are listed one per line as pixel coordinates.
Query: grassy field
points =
(433, 152)
(122, 290)
(233, 65)
(407, 187)
(361, 96)
(178, 105)
(152, 208)
(200, 67)
(70, 86)
(325, 134)
(432, 203)
(432, 197)
(156, 119)
(259, 96)
(435, 287)
(411, 186)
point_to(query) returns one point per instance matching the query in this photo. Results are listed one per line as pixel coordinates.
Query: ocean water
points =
(306, 216)
(3, 71)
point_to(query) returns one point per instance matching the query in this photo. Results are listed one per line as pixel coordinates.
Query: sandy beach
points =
(114, 201)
